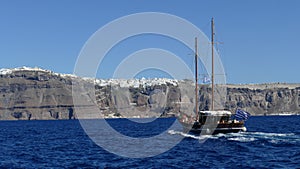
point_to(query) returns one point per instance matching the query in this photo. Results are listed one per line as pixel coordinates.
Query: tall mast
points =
(196, 79)
(212, 63)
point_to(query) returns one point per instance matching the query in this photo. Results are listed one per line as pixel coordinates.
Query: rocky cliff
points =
(36, 94)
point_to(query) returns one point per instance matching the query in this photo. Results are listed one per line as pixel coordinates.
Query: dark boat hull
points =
(215, 129)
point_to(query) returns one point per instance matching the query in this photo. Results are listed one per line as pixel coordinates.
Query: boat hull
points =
(215, 129)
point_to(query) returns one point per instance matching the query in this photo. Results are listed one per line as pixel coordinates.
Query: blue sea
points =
(270, 142)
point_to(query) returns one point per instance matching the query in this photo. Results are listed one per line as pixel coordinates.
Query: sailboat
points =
(214, 121)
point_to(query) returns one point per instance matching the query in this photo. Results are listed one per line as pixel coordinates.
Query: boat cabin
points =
(221, 116)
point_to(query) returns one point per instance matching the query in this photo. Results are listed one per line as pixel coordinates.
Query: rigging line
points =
(218, 41)
(191, 61)
(218, 74)
(218, 44)
(201, 67)
(205, 27)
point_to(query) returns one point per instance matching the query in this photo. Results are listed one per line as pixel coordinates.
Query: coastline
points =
(37, 94)
(115, 118)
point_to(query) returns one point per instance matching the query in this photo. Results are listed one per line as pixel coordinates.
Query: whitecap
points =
(274, 141)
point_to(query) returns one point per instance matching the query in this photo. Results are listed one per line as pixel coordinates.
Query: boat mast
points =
(212, 64)
(196, 79)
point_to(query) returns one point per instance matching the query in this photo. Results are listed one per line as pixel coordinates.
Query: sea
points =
(270, 142)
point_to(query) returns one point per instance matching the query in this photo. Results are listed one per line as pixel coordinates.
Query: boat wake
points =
(270, 137)
(275, 138)
(200, 137)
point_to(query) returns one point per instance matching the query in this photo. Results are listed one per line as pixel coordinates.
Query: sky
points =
(260, 39)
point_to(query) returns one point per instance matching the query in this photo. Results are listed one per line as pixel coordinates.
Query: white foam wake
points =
(271, 134)
(245, 136)
(243, 139)
(200, 137)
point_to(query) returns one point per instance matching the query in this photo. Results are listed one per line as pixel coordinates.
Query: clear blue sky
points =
(261, 38)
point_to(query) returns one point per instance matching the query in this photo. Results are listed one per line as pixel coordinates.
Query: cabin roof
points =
(217, 112)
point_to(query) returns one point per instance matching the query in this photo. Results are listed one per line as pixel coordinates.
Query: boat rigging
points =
(214, 121)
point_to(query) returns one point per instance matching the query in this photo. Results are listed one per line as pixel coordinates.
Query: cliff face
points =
(30, 94)
(35, 94)
(265, 99)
